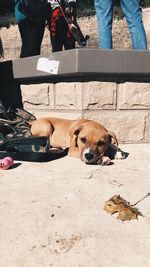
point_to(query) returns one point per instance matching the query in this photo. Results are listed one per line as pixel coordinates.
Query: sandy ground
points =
(52, 213)
(121, 37)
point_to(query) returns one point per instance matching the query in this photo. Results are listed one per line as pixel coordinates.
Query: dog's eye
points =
(100, 143)
(83, 140)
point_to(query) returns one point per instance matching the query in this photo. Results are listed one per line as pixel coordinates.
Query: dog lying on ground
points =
(85, 139)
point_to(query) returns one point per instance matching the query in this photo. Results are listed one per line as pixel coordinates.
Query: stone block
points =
(148, 127)
(68, 96)
(129, 126)
(99, 95)
(38, 95)
(134, 96)
(62, 114)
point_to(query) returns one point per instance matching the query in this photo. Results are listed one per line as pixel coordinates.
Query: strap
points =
(35, 156)
(43, 140)
(3, 110)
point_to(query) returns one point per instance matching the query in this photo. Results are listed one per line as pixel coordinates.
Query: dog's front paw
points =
(106, 161)
(120, 155)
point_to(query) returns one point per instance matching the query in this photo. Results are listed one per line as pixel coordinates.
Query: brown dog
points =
(86, 139)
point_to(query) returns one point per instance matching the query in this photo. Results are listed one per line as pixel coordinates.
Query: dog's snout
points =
(89, 155)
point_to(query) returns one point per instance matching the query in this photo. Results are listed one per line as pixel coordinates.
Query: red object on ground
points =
(6, 163)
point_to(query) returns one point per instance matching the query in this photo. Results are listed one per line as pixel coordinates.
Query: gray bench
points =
(82, 65)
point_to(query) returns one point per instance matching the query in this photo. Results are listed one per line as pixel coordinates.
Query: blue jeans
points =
(133, 14)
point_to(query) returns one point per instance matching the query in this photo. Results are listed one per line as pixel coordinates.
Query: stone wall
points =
(123, 108)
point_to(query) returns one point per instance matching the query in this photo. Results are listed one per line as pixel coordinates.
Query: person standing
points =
(60, 30)
(31, 31)
(133, 14)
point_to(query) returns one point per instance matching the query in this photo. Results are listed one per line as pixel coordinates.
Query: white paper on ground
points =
(47, 65)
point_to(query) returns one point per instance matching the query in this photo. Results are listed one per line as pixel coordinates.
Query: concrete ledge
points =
(85, 65)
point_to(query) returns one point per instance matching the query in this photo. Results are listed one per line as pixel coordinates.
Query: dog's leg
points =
(74, 152)
(104, 160)
(120, 154)
(42, 127)
(114, 152)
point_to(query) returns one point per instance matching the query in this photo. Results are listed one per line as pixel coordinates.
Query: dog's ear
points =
(113, 138)
(74, 132)
(77, 131)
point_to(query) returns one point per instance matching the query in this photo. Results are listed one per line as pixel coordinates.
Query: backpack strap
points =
(34, 149)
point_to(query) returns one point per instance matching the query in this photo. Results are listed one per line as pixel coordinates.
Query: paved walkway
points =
(51, 214)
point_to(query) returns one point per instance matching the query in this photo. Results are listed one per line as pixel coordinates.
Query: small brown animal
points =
(85, 139)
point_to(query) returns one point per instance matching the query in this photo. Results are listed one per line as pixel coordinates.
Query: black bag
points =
(35, 10)
(16, 139)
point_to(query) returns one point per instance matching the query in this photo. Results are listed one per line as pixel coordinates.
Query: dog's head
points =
(92, 140)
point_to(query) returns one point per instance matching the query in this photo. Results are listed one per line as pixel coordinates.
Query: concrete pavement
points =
(52, 213)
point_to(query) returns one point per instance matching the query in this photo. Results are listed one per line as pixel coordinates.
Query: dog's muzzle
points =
(88, 156)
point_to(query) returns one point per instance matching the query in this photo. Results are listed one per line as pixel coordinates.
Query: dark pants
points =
(31, 35)
(60, 35)
(10, 94)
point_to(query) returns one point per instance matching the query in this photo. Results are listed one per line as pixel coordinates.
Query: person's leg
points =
(68, 38)
(104, 11)
(56, 30)
(56, 43)
(57, 36)
(31, 35)
(133, 14)
(69, 43)
(10, 94)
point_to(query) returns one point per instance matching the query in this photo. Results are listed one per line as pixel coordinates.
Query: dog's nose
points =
(89, 155)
